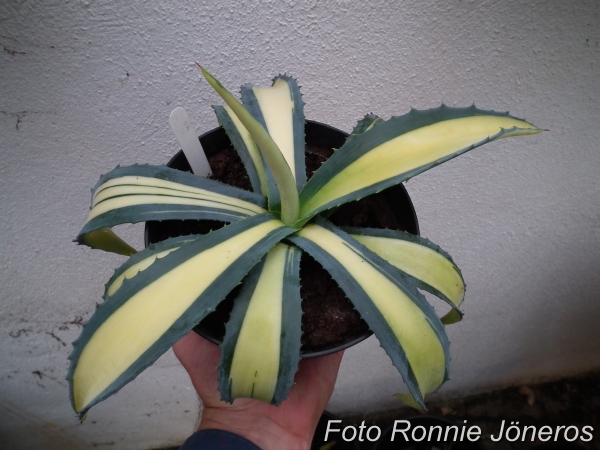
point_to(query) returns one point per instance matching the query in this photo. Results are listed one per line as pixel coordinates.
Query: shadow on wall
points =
(20, 430)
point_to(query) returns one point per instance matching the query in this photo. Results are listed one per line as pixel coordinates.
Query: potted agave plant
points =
(160, 293)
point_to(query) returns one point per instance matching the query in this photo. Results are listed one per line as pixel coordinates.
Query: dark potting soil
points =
(328, 316)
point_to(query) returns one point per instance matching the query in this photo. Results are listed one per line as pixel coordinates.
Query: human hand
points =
(290, 425)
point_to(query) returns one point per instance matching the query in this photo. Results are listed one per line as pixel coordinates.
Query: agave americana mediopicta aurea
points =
(160, 293)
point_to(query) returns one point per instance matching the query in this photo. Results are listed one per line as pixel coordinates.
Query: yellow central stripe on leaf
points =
(132, 184)
(124, 201)
(106, 193)
(277, 106)
(252, 149)
(115, 191)
(130, 180)
(135, 269)
(406, 320)
(420, 262)
(255, 363)
(282, 175)
(147, 315)
(146, 181)
(408, 152)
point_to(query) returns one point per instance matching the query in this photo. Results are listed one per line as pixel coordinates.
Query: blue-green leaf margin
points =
(405, 236)
(366, 123)
(152, 249)
(205, 304)
(251, 103)
(291, 327)
(158, 211)
(240, 146)
(359, 144)
(366, 307)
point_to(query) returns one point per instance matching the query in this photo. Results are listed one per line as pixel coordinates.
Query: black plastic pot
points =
(385, 442)
(317, 134)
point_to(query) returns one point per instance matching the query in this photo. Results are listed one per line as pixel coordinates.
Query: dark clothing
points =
(217, 440)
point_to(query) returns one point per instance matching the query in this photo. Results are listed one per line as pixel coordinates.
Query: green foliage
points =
(162, 292)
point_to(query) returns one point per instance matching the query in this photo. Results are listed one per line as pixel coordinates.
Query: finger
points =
(316, 378)
(324, 367)
(200, 359)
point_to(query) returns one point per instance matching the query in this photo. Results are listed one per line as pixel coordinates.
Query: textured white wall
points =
(86, 85)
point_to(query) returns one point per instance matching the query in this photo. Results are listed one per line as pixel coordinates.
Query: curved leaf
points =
(425, 263)
(402, 320)
(106, 239)
(271, 153)
(261, 348)
(142, 260)
(280, 110)
(245, 147)
(400, 148)
(151, 311)
(140, 193)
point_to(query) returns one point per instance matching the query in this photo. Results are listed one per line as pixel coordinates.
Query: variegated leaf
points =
(282, 176)
(400, 148)
(152, 310)
(261, 348)
(142, 260)
(405, 324)
(428, 266)
(141, 193)
(280, 110)
(245, 147)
